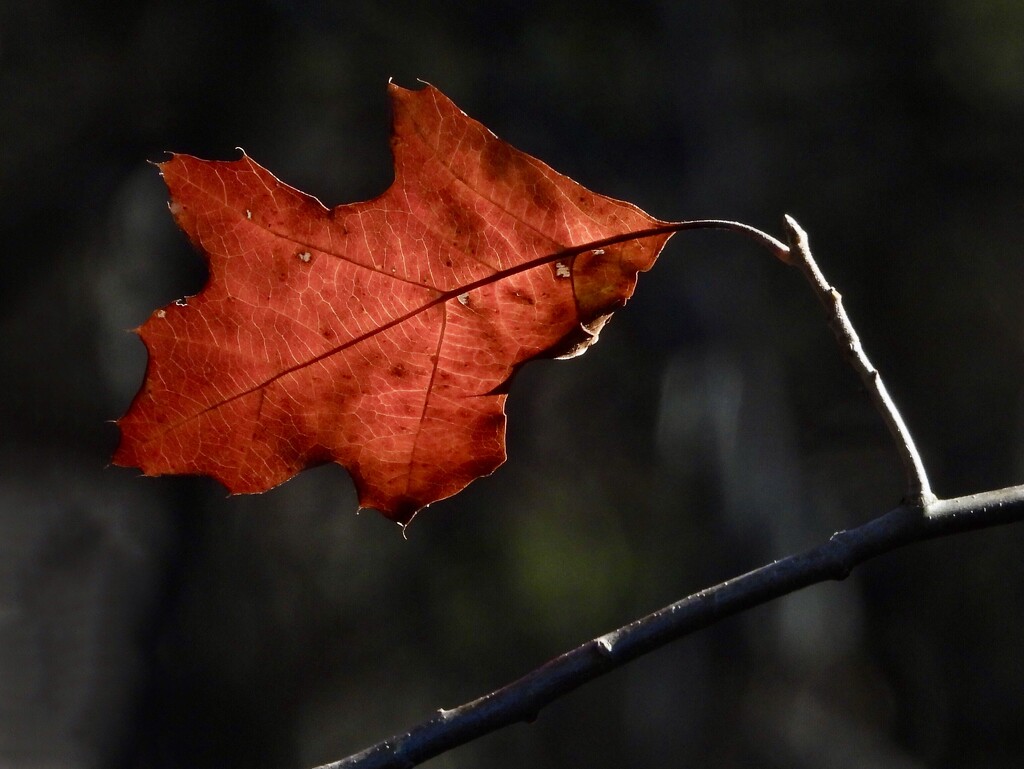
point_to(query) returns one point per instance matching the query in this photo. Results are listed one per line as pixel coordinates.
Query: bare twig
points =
(919, 518)
(918, 489)
(522, 700)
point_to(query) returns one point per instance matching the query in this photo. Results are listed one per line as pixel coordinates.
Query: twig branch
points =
(523, 699)
(918, 489)
(919, 518)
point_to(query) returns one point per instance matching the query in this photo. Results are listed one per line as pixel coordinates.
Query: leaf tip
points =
(400, 517)
(400, 95)
(394, 89)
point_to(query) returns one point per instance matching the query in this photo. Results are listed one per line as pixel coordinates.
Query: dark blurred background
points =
(159, 624)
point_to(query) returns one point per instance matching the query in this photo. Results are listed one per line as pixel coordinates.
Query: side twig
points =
(919, 518)
(918, 489)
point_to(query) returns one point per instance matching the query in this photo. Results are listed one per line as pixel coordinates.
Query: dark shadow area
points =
(160, 624)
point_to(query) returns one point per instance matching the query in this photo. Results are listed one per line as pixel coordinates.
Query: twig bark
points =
(920, 517)
(523, 699)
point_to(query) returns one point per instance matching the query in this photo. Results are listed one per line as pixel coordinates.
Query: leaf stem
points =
(777, 247)
(919, 491)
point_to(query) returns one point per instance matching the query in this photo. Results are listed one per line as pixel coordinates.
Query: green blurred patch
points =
(571, 568)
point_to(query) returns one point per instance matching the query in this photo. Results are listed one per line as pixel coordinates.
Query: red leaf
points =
(379, 335)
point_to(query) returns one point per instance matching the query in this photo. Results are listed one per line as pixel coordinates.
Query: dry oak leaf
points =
(379, 335)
